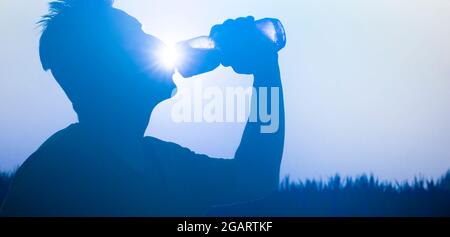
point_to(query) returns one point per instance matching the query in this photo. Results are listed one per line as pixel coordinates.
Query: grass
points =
(362, 196)
(5, 181)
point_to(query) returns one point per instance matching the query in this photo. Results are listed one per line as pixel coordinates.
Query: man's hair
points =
(76, 44)
(63, 17)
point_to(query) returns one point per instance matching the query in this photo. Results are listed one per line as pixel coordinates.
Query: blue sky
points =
(366, 83)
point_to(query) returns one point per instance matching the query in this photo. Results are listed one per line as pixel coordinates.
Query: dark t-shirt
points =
(74, 174)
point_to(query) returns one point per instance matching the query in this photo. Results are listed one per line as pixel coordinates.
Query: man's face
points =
(144, 80)
(144, 51)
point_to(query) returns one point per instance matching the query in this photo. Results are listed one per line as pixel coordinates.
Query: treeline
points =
(362, 196)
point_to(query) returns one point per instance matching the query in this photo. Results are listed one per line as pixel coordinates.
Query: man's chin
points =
(165, 99)
(170, 94)
(161, 100)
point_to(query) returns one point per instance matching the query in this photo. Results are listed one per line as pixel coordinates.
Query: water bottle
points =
(200, 55)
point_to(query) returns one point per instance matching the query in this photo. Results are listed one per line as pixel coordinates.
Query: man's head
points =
(105, 63)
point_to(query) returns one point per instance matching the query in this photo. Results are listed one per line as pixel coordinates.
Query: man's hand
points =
(243, 46)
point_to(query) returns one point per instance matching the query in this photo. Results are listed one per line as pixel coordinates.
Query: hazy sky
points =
(367, 83)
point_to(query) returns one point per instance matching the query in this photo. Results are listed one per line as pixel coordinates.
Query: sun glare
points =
(169, 56)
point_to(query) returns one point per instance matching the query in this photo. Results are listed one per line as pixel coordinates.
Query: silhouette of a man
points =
(103, 165)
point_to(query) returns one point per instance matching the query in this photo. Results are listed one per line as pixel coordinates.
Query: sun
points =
(169, 56)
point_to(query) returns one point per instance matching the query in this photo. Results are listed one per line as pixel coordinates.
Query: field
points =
(362, 196)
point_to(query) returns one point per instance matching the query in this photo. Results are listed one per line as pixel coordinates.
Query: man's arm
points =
(254, 172)
(259, 155)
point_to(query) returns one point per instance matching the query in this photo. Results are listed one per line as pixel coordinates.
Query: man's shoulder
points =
(170, 151)
(61, 138)
(48, 152)
(155, 144)
(43, 163)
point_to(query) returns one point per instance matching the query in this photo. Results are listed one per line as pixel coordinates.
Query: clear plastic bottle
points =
(200, 55)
